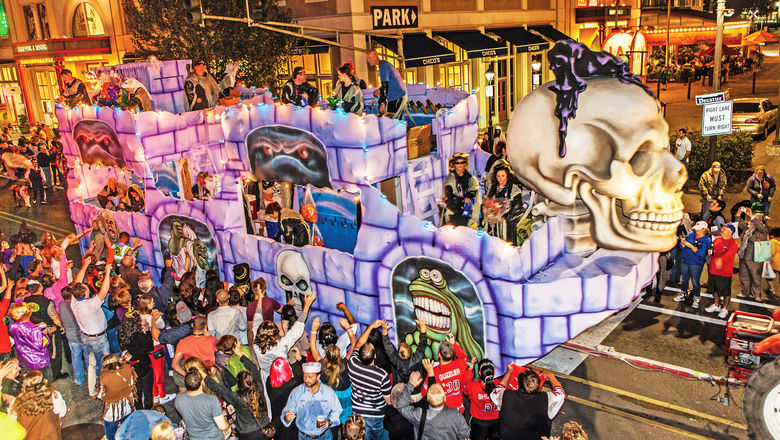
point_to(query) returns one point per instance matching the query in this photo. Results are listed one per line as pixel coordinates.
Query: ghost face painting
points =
(286, 154)
(98, 143)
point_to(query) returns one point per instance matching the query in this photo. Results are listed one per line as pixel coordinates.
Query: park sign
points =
(394, 17)
(716, 118)
(710, 98)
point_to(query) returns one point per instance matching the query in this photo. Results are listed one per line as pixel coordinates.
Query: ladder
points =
(200, 155)
(423, 189)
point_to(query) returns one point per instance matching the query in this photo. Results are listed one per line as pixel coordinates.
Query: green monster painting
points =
(442, 312)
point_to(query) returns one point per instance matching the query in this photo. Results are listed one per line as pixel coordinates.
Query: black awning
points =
(522, 39)
(475, 43)
(309, 47)
(419, 50)
(550, 33)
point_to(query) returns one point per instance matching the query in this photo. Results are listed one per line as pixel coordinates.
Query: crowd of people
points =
(234, 362)
(36, 164)
(715, 237)
(348, 94)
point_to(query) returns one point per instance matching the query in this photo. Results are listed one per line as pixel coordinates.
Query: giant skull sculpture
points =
(292, 276)
(613, 159)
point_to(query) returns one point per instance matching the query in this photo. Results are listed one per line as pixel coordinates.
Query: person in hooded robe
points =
(201, 88)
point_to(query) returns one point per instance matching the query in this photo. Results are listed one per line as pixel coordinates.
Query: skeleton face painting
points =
(615, 162)
(285, 154)
(432, 291)
(293, 276)
(98, 143)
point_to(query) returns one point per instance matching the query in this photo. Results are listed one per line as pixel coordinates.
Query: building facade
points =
(447, 43)
(47, 36)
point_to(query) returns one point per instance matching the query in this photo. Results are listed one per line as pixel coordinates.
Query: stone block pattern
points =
(533, 297)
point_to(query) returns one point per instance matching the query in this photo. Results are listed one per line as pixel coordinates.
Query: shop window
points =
(86, 21)
(9, 74)
(323, 61)
(383, 53)
(536, 71)
(326, 87)
(411, 76)
(512, 84)
(318, 71)
(455, 76)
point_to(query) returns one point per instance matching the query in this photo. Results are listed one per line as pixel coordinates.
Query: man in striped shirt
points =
(370, 384)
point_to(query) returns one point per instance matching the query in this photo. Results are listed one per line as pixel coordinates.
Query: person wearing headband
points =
(313, 406)
(461, 191)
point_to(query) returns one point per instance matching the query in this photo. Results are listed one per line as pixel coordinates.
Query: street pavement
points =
(667, 331)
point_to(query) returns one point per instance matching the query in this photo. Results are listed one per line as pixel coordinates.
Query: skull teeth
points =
(654, 221)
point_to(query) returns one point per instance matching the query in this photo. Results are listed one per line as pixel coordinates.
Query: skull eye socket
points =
(642, 160)
(286, 281)
(425, 274)
(302, 285)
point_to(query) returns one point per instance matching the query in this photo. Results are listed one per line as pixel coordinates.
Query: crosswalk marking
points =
(733, 299)
(680, 314)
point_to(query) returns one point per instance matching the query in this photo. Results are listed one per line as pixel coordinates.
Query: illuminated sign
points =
(42, 47)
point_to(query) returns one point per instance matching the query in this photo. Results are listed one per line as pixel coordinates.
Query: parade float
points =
(607, 196)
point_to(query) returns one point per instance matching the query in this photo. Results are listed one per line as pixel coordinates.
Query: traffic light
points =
(194, 13)
(261, 12)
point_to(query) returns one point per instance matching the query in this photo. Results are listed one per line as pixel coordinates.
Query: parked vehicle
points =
(756, 116)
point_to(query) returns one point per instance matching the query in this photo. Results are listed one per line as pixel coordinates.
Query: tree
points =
(159, 28)
(734, 152)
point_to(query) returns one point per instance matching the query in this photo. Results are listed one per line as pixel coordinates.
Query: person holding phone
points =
(695, 248)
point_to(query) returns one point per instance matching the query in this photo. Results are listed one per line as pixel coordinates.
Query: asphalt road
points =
(669, 332)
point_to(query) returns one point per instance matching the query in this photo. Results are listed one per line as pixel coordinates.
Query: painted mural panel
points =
(98, 143)
(432, 290)
(279, 153)
(189, 242)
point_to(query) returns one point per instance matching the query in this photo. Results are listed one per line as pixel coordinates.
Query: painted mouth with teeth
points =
(435, 313)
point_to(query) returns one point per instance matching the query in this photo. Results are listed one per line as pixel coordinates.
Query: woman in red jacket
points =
(484, 414)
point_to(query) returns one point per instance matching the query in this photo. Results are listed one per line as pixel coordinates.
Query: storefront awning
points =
(522, 39)
(419, 50)
(309, 47)
(475, 43)
(550, 33)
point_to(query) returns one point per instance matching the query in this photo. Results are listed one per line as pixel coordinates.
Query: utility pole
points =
(716, 67)
(668, 31)
(777, 118)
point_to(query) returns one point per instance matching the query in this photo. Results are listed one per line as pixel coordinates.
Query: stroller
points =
(21, 191)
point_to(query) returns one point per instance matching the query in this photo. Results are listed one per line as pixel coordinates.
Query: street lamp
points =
(489, 75)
